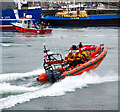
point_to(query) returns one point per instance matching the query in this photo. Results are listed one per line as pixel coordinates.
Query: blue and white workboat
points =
(13, 14)
(75, 17)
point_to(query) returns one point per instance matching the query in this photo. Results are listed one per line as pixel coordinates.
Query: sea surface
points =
(22, 62)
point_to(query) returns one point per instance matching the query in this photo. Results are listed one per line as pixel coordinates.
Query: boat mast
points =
(74, 1)
(33, 3)
(79, 6)
(20, 2)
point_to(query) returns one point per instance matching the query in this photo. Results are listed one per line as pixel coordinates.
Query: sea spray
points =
(59, 88)
(8, 88)
(15, 76)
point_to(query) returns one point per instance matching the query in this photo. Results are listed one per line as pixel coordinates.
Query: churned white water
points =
(60, 88)
(22, 60)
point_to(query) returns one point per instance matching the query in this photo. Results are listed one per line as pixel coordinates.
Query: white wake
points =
(60, 88)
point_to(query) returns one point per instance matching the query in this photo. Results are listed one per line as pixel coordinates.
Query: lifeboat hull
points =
(32, 30)
(85, 48)
(96, 57)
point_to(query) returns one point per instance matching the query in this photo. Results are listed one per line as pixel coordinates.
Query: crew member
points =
(32, 25)
(80, 45)
(85, 56)
(42, 25)
(37, 25)
(49, 25)
(78, 57)
(71, 59)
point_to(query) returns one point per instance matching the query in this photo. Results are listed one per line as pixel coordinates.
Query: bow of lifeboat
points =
(96, 56)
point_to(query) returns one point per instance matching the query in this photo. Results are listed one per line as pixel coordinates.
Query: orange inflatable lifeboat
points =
(54, 74)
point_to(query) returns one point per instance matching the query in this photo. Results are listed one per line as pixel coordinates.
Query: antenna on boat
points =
(44, 49)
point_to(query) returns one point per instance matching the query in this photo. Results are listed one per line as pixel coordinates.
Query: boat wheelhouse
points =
(27, 25)
(73, 11)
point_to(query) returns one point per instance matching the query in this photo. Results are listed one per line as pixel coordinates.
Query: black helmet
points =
(74, 47)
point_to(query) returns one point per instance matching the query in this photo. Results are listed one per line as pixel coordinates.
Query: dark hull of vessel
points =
(83, 23)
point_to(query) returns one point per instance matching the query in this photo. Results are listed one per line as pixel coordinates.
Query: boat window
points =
(73, 9)
(64, 9)
(82, 8)
(68, 10)
(25, 22)
(19, 21)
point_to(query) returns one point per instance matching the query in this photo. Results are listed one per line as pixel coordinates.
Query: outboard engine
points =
(53, 75)
(50, 76)
(57, 74)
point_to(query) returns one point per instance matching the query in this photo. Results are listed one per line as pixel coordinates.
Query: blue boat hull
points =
(96, 20)
(8, 16)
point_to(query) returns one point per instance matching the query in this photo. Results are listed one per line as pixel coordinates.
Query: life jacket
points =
(85, 56)
(79, 56)
(71, 57)
(84, 53)
(76, 55)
